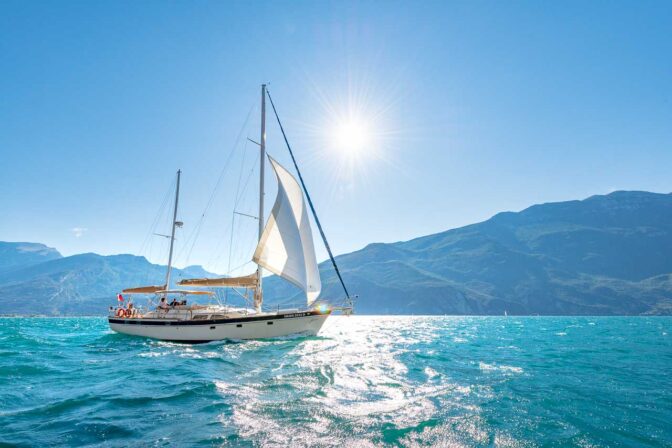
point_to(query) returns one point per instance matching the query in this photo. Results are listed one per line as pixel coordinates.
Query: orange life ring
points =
(128, 313)
(120, 312)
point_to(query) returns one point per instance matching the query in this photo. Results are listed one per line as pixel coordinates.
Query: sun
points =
(353, 143)
(353, 132)
(351, 137)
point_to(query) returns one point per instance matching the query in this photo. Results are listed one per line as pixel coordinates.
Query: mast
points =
(258, 294)
(172, 234)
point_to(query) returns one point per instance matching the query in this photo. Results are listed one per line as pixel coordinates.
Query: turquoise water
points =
(365, 381)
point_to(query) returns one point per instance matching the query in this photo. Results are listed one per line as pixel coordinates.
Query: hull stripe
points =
(235, 320)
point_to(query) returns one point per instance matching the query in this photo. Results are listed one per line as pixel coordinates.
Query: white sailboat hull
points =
(270, 325)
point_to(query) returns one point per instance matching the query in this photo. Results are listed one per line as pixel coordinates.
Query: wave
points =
(382, 381)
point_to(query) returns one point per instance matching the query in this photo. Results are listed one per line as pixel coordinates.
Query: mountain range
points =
(36, 279)
(605, 255)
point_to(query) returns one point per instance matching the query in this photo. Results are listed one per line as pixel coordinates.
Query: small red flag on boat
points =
(120, 298)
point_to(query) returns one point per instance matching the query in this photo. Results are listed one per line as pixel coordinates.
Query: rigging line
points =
(239, 195)
(295, 301)
(240, 174)
(310, 202)
(239, 266)
(199, 226)
(147, 243)
(157, 217)
(233, 217)
(216, 253)
(239, 251)
(215, 258)
(228, 267)
(247, 181)
(197, 229)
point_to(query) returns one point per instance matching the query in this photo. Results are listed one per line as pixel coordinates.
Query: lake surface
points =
(365, 381)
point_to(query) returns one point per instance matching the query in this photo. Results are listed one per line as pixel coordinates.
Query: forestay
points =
(286, 245)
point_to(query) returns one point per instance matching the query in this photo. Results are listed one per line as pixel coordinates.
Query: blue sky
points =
(470, 108)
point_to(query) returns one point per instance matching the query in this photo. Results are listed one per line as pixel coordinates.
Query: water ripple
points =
(364, 382)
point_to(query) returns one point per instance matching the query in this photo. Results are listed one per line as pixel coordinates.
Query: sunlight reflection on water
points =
(365, 381)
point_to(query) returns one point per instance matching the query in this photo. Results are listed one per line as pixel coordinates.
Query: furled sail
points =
(248, 281)
(185, 292)
(286, 245)
(144, 290)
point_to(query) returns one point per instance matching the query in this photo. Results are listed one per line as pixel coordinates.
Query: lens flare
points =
(322, 308)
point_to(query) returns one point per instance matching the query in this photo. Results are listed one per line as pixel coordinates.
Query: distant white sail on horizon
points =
(286, 245)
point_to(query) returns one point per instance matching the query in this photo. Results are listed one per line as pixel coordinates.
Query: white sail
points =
(286, 245)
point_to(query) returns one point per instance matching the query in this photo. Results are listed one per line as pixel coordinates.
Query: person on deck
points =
(163, 305)
(174, 302)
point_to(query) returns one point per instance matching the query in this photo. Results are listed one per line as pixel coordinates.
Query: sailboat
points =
(285, 248)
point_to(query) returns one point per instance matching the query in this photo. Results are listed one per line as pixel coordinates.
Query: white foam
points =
(501, 368)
